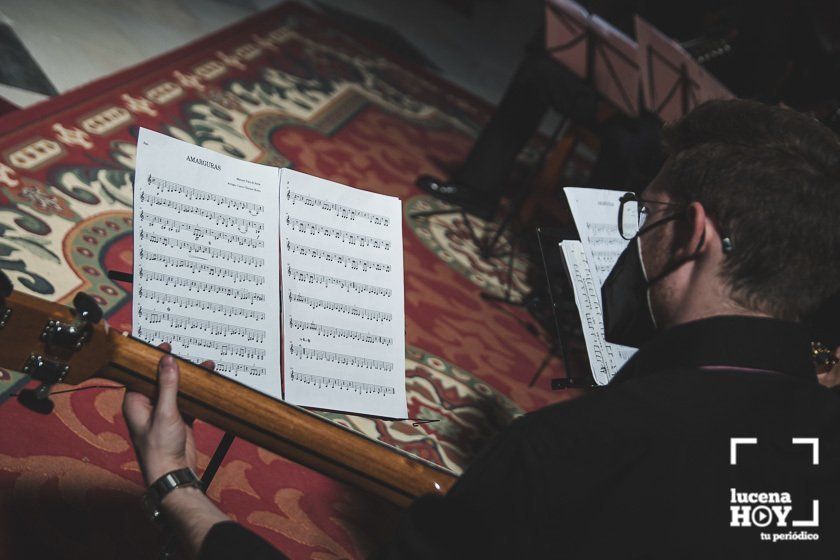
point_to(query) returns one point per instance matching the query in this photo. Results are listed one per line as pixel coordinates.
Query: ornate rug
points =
(288, 88)
(448, 236)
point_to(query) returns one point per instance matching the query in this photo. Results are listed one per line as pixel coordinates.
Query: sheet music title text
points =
(205, 163)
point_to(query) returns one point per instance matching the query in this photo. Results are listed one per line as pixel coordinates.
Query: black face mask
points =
(625, 297)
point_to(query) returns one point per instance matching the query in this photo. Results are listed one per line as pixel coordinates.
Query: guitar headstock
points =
(50, 342)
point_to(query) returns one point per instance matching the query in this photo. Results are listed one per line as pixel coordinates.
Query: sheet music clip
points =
(119, 276)
(562, 383)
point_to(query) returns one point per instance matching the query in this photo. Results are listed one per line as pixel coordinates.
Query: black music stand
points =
(673, 82)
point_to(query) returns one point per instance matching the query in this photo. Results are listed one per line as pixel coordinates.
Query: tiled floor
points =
(76, 41)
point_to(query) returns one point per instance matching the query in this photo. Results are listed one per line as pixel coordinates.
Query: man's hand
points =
(162, 439)
(164, 442)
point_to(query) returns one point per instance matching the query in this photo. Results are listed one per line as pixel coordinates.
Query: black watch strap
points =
(163, 486)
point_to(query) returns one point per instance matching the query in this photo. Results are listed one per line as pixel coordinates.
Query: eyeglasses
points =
(633, 213)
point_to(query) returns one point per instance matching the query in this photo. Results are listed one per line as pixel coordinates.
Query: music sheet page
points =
(206, 258)
(595, 212)
(343, 310)
(605, 358)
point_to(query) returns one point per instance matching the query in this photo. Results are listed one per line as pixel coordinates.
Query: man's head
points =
(766, 178)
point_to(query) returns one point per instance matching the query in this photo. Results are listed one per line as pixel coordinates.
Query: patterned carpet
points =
(286, 88)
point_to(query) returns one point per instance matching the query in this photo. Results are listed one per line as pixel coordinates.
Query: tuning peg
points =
(87, 309)
(37, 400)
(5, 285)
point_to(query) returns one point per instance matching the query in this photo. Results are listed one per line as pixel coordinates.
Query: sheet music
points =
(206, 258)
(605, 358)
(595, 212)
(343, 311)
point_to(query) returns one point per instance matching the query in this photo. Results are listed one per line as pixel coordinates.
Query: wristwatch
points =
(163, 486)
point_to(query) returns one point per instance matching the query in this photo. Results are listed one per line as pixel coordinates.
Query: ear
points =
(696, 232)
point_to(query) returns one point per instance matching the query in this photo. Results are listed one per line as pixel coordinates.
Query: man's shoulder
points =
(689, 403)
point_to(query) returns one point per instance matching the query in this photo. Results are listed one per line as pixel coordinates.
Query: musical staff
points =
(197, 249)
(343, 283)
(224, 348)
(195, 267)
(200, 232)
(343, 359)
(353, 262)
(190, 193)
(153, 316)
(207, 258)
(195, 285)
(321, 382)
(222, 220)
(335, 332)
(191, 303)
(339, 210)
(230, 368)
(315, 303)
(340, 234)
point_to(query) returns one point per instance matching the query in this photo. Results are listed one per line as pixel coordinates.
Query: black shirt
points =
(641, 468)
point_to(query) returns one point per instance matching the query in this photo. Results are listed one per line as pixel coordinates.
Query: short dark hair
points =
(769, 177)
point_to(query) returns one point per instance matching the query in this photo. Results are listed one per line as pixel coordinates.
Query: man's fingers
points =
(137, 408)
(209, 364)
(165, 346)
(167, 401)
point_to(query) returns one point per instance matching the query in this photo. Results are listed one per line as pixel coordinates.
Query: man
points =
(781, 52)
(629, 153)
(739, 242)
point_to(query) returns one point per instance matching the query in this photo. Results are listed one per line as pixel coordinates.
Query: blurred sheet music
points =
(343, 310)
(595, 212)
(673, 82)
(206, 258)
(605, 358)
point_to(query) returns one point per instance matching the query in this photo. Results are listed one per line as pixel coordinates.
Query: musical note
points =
(206, 258)
(195, 267)
(345, 260)
(197, 249)
(153, 316)
(340, 234)
(222, 220)
(191, 303)
(343, 283)
(315, 303)
(190, 193)
(230, 368)
(224, 348)
(321, 382)
(195, 285)
(605, 359)
(343, 359)
(200, 232)
(339, 210)
(335, 332)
